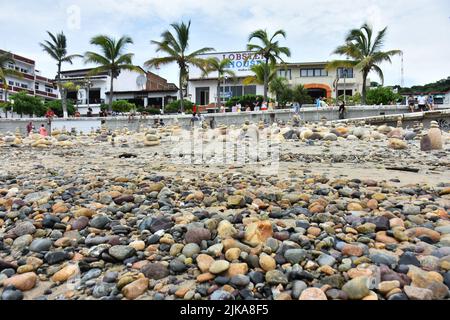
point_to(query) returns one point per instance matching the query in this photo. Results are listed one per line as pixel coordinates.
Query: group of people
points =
(424, 103)
(42, 130)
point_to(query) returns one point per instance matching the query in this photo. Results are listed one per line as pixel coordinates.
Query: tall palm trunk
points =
(111, 90)
(218, 94)
(181, 91)
(6, 101)
(266, 80)
(62, 92)
(364, 89)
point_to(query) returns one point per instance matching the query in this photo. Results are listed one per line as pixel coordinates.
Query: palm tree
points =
(262, 73)
(5, 59)
(278, 86)
(364, 53)
(175, 45)
(270, 50)
(221, 67)
(57, 49)
(112, 60)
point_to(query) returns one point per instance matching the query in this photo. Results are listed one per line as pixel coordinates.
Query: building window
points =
(348, 93)
(25, 86)
(36, 86)
(316, 72)
(11, 83)
(202, 96)
(48, 90)
(341, 73)
(250, 90)
(285, 73)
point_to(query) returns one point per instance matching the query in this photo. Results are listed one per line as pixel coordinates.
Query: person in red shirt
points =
(50, 114)
(194, 109)
(43, 131)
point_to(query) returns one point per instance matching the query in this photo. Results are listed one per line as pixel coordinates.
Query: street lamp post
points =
(345, 91)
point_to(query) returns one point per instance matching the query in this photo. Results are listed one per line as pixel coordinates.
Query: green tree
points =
(57, 49)
(260, 71)
(280, 88)
(300, 95)
(364, 53)
(5, 59)
(112, 60)
(175, 106)
(123, 106)
(382, 95)
(175, 46)
(26, 104)
(57, 107)
(270, 49)
(221, 67)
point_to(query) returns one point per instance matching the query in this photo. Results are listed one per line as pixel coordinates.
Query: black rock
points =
(256, 277)
(300, 275)
(153, 239)
(56, 257)
(10, 295)
(447, 279)
(409, 258)
(50, 220)
(398, 296)
(221, 280)
(177, 266)
(155, 271)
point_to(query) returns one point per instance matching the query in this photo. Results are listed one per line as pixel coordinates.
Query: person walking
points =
(411, 103)
(422, 102)
(342, 110)
(430, 102)
(30, 128)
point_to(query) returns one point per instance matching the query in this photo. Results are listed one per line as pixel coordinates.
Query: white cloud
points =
(314, 28)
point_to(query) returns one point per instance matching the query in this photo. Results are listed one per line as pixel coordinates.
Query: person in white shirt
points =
(422, 102)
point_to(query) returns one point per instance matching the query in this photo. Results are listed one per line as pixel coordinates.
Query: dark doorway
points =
(202, 96)
(317, 93)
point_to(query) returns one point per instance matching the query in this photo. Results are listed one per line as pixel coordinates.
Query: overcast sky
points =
(420, 28)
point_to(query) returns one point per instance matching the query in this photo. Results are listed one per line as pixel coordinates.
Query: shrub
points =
(382, 95)
(25, 104)
(175, 106)
(56, 107)
(123, 106)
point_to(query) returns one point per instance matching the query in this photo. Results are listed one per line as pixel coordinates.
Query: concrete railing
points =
(309, 114)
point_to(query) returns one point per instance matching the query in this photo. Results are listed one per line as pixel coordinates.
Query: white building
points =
(143, 88)
(31, 80)
(314, 76)
(202, 89)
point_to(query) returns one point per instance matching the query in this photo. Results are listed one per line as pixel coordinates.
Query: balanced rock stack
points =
(152, 138)
(433, 139)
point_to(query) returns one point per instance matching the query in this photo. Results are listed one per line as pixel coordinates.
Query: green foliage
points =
(300, 95)
(25, 104)
(438, 86)
(382, 95)
(350, 101)
(152, 111)
(175, 107)
(56, 107)
(123, 106)
(5, 106)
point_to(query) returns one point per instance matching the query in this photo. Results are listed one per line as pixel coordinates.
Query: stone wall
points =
(380, 113)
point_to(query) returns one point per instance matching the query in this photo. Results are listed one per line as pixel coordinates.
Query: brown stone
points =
(315, 231)
(66, 273)
(84, 212)
(205, 277)
(421, 231)
(372, 204)
(353, 206)
(313, 294)
(237, 269)
(23, 282)
(267, 263)
(232, 254)
(352, 250)
(258, 232)
(384, 238)
(135, 289)
(204, 261)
